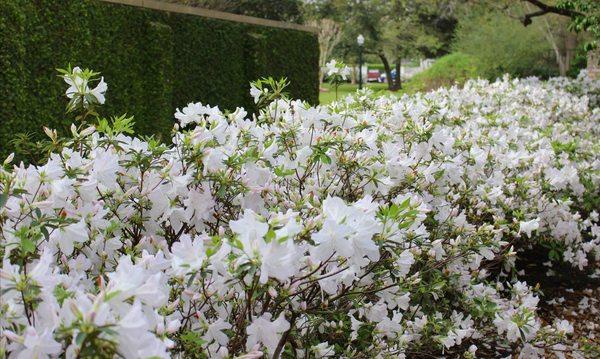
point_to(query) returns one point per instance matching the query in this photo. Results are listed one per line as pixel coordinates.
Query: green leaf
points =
(44, 231)
(405, 224)
(281, 172)
(270, 235)
(393, 211)
(61, 294)
(324, 158)
(109, 331)
(27, 245)
(193, 338)
(111, 295)
(404, 204)
(80, 338)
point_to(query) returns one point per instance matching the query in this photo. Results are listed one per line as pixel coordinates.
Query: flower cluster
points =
(337, 69)
(336, 73)
(79, 91)
(373, 225)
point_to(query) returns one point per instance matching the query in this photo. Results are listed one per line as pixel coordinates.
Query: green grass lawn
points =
(347, 88)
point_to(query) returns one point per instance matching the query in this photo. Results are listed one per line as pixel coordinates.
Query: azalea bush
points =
(372, 227)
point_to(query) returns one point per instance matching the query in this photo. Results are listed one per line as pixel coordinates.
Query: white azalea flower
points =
(99, 90)
(67, 236)
(263, 330)
(255, 93)
(188, 255)
(404, 262)
(215, 332)
(529, 226)
(39, 344)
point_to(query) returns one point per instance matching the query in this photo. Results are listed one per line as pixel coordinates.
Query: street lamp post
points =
(361, 41)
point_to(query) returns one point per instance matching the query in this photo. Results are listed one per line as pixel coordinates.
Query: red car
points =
(373, 75)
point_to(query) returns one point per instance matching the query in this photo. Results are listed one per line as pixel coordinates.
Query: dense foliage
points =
(585, 17)
(155, 61)
(503, 45)
(380, 226)
(448, 70)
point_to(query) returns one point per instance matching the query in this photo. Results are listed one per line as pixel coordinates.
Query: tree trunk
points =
(562, 66)
(563, 44)
(321, 75)
(593, 64)
(398, 84)
(560, 60)
(565, 53)
(329, 36)
(570, 47)
(388, 70)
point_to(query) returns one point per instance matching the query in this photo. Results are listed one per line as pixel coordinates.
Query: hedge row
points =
(153, 61)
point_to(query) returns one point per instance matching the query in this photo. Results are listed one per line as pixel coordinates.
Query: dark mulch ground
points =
(567, 294)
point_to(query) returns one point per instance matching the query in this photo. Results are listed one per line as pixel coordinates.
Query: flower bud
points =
(9, 158)
(272, 292)
(88, 131)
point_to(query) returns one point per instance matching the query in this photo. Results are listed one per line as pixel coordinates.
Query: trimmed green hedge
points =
(153, 62)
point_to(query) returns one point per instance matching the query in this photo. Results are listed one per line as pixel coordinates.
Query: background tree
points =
(584, 15)
(403, 38)
(330, 34)
(549, 18)
(500, 44)
(563, 41)
(395, 30)
(325, 15)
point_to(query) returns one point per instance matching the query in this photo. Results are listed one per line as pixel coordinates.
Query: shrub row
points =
(191, 58)
(388, 226)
